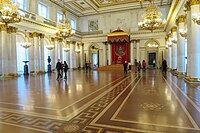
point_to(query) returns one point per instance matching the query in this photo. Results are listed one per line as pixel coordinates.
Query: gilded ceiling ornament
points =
(174, 29)
(187, 5)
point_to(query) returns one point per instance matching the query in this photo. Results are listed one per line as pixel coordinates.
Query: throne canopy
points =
(118, 36)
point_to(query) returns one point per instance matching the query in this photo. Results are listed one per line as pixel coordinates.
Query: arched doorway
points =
(94, 55)
(152, 46)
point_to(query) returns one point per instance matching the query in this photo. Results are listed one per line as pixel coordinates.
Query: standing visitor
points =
(164, 66)
(154, 63)
(58, 67)
(144, 65)
(136, 64)
(125, 67)
(139, 66)
(65, 69)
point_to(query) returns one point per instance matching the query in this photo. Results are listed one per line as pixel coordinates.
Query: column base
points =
(37, 72)
(10, 75)
(180, 74)
(192, 80)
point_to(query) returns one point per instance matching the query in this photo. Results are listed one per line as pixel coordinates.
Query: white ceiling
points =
(91, 7)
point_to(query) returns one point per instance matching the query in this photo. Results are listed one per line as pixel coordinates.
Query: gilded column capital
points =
(195, 2)
(30, 35)
(174, 29)
(73, 42)
(137, 41)
(56, 39)
(187, 5)
(67, 42)
(3, 27)
(82, 44)
(11, 29)
(60, 39)
(41, 36)
(35, 34)
(52, 39)
(105, 42)
(169, 35)
(181, 19)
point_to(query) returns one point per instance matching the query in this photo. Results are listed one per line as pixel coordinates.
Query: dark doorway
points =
(152, 60)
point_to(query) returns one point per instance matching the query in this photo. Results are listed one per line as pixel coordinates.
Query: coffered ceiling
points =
(91, 7)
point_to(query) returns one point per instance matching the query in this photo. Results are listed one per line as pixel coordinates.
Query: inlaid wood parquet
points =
(80, 124)
(30, 121)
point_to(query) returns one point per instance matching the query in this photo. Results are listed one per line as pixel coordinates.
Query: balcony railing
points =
(37, 18)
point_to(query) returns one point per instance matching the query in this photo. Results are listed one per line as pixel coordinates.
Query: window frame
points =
(47, 11)
(72, 19)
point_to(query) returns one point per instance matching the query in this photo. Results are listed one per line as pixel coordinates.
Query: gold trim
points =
(170, 16)
(194, 2)
(181, 19)
(190, 79)
(35, 34)
(73, 42)
(187, 5)
(3, 27)
(118, 34)
(41, 36)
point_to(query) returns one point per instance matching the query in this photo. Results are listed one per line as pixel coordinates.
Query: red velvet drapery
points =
(120, 42)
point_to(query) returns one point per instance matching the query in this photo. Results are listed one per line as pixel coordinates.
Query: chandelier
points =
(65, 30)
(152, 19)
(26, 44)
(8, 12)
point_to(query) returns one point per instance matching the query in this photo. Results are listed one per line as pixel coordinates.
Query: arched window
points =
(22, 54)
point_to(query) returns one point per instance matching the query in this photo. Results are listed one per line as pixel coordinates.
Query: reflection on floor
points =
(99, 102)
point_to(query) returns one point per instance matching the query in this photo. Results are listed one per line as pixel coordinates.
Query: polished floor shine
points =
(99, 102)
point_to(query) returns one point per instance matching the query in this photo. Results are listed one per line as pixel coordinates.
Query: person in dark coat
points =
(65, 69)
(58, 68)
(164, 66)
(125, 67)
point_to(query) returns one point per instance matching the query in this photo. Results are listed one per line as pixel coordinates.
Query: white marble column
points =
(104, 53)
(56, 50)
(109, 54)
(82, 55)
(72, 54)
(170, 57)
(60, 49)
(13, 63)
(167, 55)
(31, 54)
(8, 54)
(132, 54)
(76, 61)
(181, 68)
(189, 52)
(4, 51)
(194, 45)
(138, 50)
(41, 59)
(36, 52)
(174, 47)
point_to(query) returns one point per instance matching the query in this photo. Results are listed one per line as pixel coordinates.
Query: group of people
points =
(60, 68)
(139, 66)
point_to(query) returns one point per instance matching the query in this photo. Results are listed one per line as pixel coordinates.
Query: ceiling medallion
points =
(152, 19)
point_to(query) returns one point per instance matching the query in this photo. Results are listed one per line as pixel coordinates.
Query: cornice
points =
(171, 13)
